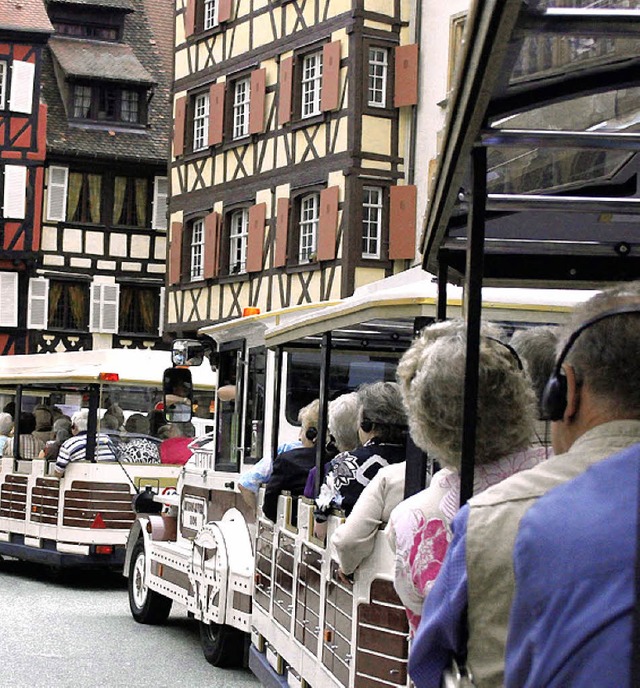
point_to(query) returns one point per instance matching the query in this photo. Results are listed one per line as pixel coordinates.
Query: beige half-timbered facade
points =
(289, 179)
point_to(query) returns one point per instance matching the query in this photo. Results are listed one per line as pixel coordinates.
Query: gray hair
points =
(432, 376)
(137, 423)
(536, 346)
(605, 354)
(381, 403)
(6, 421)
(344, 421)
(308, 415)
(80, 419)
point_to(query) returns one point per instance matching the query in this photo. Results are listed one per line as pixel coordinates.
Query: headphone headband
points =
(554, 397)
(509, 348)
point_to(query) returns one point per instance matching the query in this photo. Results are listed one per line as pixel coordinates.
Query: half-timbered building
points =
(106, 82)
(290, 183)
(24, 30)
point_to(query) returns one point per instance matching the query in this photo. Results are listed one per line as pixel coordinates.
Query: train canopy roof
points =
(547, 104)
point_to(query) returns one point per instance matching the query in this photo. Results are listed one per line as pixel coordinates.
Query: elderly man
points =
(75, 448)
(594, 402)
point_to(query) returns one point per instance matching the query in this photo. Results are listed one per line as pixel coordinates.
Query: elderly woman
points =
(431, 376)
(291, 468)
(382, 429)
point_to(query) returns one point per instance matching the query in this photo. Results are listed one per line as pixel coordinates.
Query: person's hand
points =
(320, 530)
(344, 578)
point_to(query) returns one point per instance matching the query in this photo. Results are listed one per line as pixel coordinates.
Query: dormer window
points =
(107, 102)
(93, 31)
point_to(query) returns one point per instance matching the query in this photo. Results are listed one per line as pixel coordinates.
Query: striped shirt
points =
(75, 449)
(30, 446)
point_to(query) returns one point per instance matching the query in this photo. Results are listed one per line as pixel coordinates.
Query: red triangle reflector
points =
(98, 522)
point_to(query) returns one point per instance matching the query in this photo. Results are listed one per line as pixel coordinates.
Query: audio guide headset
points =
(311, 434)
(366, 425)
(509, 348)
(554, 397)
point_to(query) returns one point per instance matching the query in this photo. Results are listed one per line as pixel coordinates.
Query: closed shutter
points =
(257, 98)
(37, 317)
(255, 240)
(330, 93)
(216, 113)
(57, 194)
(8, 299)
(406, 75)
(225, 10)
(190, 18)
(160, 193)
(22, 79)
(15, 191)
(402, 222)
(178, 127)
(285, 90)
(161, 310)
(282, 230)
(175, 253)
(328, 223)
(211, 245)
(103, 314)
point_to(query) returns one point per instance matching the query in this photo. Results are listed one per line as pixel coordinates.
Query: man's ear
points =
(573, 392)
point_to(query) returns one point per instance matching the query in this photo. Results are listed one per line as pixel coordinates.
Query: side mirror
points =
(177, 387)
(187, 352)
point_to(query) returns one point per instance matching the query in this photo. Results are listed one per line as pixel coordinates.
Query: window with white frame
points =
(196, 270)
(371, 221)
(378, 71)
(241, 93)
(311, 84)
(309, 219)
(3, 83)
(200, 121)
(238, 237)
(210, 14)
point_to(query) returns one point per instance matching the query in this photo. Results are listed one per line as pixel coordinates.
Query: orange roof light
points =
(108, 377)
(250, 310)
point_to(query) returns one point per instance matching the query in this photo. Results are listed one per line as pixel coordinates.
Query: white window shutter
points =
(15, 191)
(161, 316)
(109, 316)
(57, 193)
(37, 317)
(22, 79)
(8, 299)
(94, 307)
(160, 193)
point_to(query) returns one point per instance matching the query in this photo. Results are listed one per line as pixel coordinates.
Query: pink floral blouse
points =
(419, 529)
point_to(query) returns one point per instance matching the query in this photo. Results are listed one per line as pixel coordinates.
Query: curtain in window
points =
(77, 297)
(147, 309)
(141, 202)
(94, 196)
(119, 191)
(75, 187)
(55, 292)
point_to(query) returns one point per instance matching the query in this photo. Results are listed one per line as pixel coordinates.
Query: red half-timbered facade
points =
(24, 31)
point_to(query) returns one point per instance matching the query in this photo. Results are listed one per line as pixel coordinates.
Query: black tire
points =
(222, 646)
(147, 606)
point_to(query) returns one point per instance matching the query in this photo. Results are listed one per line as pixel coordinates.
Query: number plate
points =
(194, 510)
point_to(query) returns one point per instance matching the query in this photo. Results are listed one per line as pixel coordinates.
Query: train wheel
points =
(147, 606)
(223, 646)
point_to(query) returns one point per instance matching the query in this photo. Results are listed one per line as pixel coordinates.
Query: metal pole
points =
(325, 369)
(277, 396)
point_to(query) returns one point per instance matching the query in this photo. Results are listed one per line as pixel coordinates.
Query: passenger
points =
(536, 347)
(382, 434)
(10, 408)
(44, 423)
(30, 446)
(583, 613)
(343, 433)
(62, 432)
(75, 448)
(136, 446)
(175, 449)
(6, 425)
(431, 375)
(156, 421)
(291, 469)
(117, 413)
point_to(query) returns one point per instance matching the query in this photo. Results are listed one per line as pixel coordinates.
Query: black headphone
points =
(311, 434)
(509, 348)
(554, 397)
(366, 425)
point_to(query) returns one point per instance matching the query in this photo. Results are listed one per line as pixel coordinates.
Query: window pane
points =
(129, 106)
(210, 14)
(68, 305)
(309, 216)
(311, 84)
(200, 121)
(377, 77)
(81, 101)
(238, 236)
(241, 109)
(371, 222)
(197, 249)
(139, 310)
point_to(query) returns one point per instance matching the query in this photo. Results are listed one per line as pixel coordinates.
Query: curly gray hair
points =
(432, 374)
(536, 346)
(605, 354)
(344, 420)
(381, 403)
